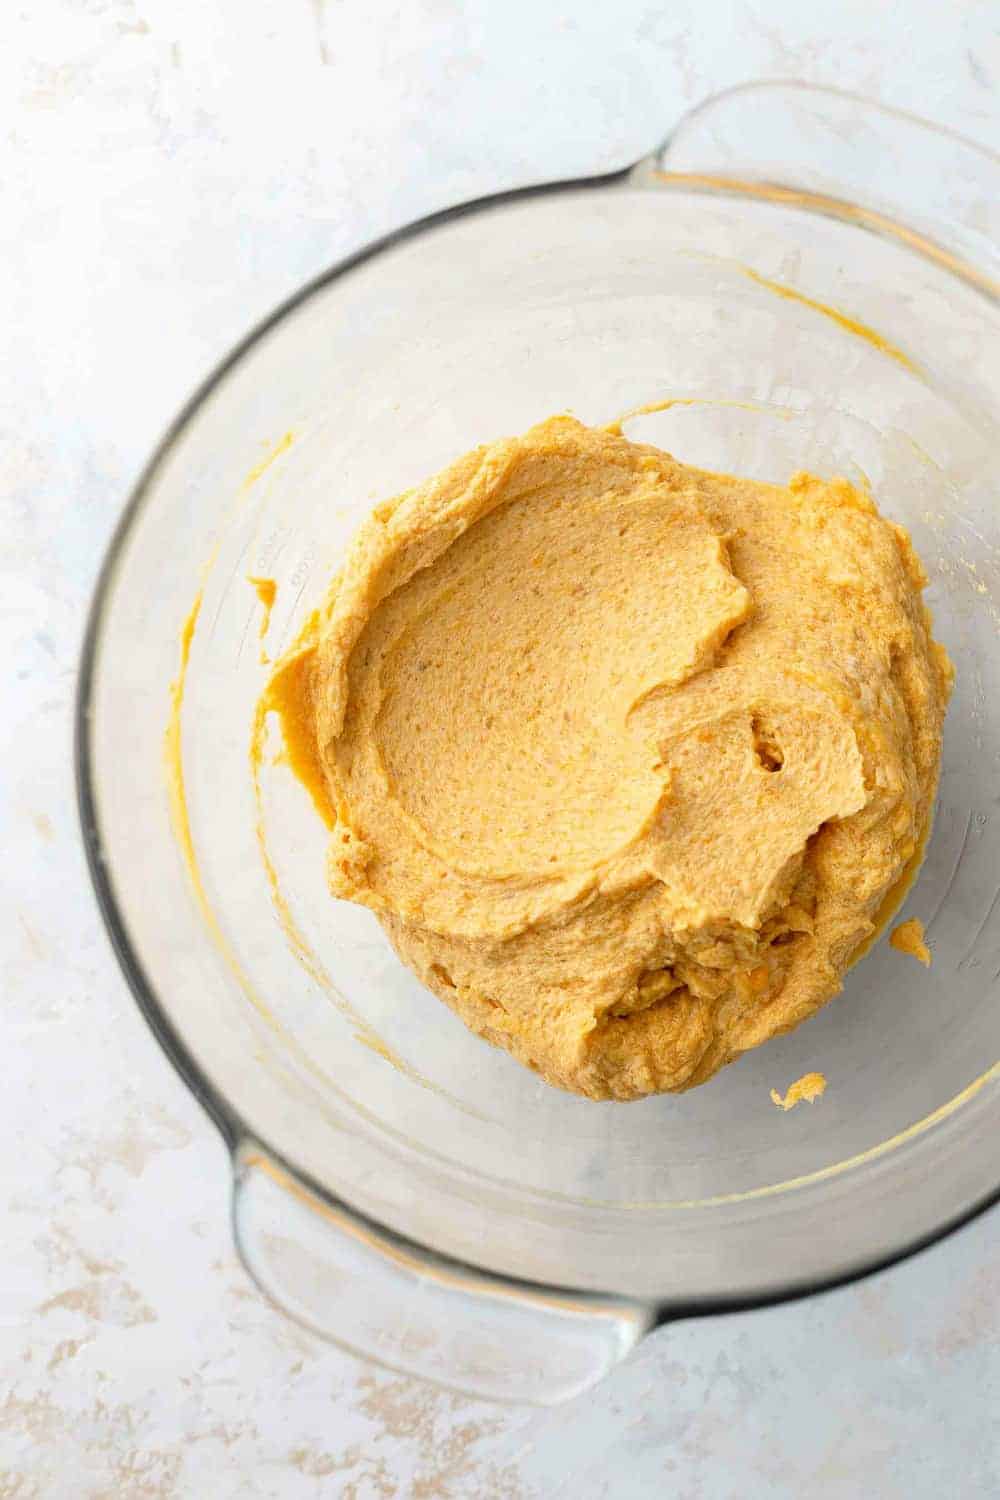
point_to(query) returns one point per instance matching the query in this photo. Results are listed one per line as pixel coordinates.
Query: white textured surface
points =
(171, 168)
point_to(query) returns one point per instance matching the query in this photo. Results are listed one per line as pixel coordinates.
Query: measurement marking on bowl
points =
(275, 452)
(967, 959)
(954, 872)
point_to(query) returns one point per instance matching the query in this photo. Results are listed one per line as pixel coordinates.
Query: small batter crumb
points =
(809, 1087)
(908, 937)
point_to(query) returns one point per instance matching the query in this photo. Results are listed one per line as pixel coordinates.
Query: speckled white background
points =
(169, 170)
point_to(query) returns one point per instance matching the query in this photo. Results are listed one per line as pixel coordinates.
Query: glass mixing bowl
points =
(817, 279)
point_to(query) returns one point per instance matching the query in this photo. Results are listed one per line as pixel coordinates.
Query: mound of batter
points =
(625, 756)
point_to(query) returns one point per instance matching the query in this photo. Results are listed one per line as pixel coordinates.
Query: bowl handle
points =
(843, 155)
(387, 1299)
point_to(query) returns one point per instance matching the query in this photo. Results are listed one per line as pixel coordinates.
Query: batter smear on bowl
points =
(626, 756)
